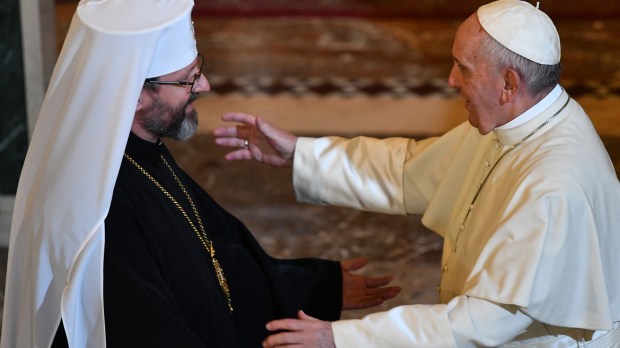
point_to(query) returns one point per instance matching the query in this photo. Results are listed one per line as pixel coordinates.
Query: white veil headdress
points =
(57, 238)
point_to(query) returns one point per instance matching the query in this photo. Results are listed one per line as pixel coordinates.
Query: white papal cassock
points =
(529, 255)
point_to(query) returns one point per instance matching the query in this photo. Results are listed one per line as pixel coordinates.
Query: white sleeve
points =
(405, 326)
(361, 173)
(480, 323)
(463, 322)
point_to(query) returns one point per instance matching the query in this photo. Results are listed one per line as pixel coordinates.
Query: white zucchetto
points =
(522, 28)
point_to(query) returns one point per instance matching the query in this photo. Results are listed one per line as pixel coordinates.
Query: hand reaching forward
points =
(360, 291)
(303, 332)
(257, 139)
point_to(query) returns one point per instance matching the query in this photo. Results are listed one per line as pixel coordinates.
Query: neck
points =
(142, 133)
(521, 105)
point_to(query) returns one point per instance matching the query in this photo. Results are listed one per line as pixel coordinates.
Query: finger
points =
(284, 339)
(353, 264)
(287, 325)
(370, 302)
(382, 290)
(229, 142)
(225, 131)
(375, 282)
(265, 127)
(241, 154)
(239, 117)
(389, 294)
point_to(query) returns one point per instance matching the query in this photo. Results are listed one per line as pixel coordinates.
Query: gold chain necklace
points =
(512, 147)
(201, 234)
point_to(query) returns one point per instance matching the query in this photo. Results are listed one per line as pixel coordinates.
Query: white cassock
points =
(529, 254)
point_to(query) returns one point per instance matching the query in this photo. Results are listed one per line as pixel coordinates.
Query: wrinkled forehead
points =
(468, 35)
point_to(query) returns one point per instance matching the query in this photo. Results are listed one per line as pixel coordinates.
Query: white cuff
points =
(405, 326)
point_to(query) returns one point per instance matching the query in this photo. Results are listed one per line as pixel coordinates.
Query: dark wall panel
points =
(13, 123)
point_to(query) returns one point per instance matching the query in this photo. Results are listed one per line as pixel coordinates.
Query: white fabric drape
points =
(57, 236)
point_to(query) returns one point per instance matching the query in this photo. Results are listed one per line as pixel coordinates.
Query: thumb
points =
(264, 126)
(303, 316)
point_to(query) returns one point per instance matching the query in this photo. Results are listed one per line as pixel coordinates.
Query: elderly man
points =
(524, 194)
(113, 243)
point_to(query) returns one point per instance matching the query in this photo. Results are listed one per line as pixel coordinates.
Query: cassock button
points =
(487, 164)
(445, 268)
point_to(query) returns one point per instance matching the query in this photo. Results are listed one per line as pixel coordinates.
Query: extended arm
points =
(464, 322)
(362, 173)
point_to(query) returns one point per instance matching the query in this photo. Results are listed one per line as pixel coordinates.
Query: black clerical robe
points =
(160, 287)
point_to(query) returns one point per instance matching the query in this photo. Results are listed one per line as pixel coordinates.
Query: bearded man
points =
(111, 242)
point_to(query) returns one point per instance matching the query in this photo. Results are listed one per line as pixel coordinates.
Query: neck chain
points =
(201, 234)
(512, 147)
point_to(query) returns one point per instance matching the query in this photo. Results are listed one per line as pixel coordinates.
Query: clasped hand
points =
(358, 292)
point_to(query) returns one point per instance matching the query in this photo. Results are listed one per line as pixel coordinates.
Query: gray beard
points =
(186, 129)
(164, 120)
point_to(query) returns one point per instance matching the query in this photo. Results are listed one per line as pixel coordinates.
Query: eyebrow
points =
(460, 64)
(194, 67)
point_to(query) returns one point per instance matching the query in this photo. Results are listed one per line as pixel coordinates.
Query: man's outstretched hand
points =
(265, 142)
(359, 291)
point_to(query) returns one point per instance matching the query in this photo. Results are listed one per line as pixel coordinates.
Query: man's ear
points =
(512, 85)
(143, 100)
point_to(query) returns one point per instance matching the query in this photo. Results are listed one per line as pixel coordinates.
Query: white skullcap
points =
(176, 47)
(523, 29)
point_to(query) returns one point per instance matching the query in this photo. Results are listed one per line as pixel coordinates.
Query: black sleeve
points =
(311, 284)
(318, 283)
(264, 288)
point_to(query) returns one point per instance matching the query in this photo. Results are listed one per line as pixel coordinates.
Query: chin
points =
(484, 131)
(472, 120)
(481, 129)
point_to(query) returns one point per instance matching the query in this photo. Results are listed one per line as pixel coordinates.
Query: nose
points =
(202, 84)
(453, 80)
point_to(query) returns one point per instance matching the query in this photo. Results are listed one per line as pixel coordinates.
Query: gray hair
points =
(538, 77)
